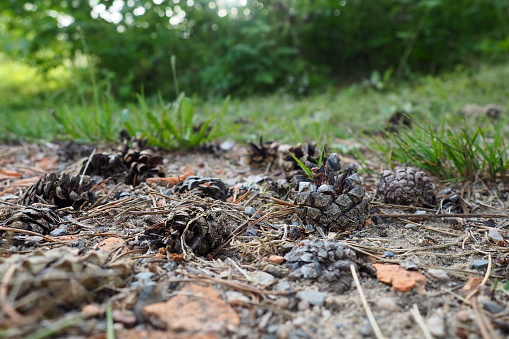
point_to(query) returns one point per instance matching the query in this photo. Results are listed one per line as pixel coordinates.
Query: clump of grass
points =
(449, 152)
(175, 125)
(88, 123)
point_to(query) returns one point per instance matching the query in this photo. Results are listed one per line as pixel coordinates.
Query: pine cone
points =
(324, 260)
(405, 186)
(133, 165)
(263, 155)
(203, 187)
(36, 219)
(310, 155)
(202, 229)
(61, 191)
(335, 201)
(58, 279)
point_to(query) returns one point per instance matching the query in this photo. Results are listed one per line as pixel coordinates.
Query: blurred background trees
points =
(245, 47)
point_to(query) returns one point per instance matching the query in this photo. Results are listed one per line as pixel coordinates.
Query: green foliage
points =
(264, 46)
(306, 170)
(450, 153)
(175, 126)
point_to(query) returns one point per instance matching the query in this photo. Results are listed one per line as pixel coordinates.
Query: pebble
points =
(299, 321)
(492, 307)
(282, 302)
(227, 145)
(439, 274)
(315, 298)
(236, 296)
(366, 330)
(387, 303)
(276, 259)
(436, 326)
(144, 276)
(249, 211)
(481, 263)
(170, 266)
(58, 232)
(464, 316)
(283, 286)
(388, 254)
(410, 226)
(303, 305)
(264, 278)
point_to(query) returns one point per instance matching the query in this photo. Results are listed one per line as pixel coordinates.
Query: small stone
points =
(282, 302)
(276, 259)
(315, 298)
(481, 263)
(227, 145)
(436, 326)
(234, 296)
(366, 330)
(58, 232)
(439, 274)
(464, 316)
(411, 227)
(388, 254)
(283, 286)
(264, 278)
(144, 276)
(299, 321)
(249, 211)
(388, 304)
(491, 306)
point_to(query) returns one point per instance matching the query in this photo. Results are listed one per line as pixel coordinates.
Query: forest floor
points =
(97, 272)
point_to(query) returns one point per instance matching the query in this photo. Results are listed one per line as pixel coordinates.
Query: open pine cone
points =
(203, 187)
(134, 164)
(61, 191)
(308, 154)
(263, 155)
(334, 201)
(405, 186)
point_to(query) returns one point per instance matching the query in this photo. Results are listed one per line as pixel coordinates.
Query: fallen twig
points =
(371, 317)
(418, 318)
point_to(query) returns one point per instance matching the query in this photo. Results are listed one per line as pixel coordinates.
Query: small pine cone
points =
(36, 219)
(201, 228)
(61, 191)
(326, 261)
(263, 155)
(203, 187)
(405, 186)
(139, 160)
(308, 154)
(133, 165)
(334, 201)
(105, 165)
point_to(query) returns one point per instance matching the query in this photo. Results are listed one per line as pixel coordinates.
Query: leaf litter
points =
(206, 246)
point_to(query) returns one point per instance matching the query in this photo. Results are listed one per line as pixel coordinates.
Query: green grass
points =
(349, 112)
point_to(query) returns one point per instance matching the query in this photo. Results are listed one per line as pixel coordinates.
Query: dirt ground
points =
(116, 267)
